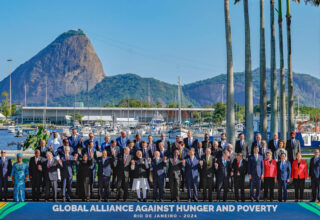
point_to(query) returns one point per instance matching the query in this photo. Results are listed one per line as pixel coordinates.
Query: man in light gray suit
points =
(292, 147)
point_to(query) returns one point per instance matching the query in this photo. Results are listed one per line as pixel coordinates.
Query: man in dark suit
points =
(257, 143)
(283, 177)
(223, 142)
(137, 142)
(242, 146)
(51, 166)
(293, 147)
(36, 174)
(239, 171)
(67, 174)
(191, 166)
(207, 174)
(146, 151)
(255, 172)
(200, 151)
(105, 165)
(113, 147)
(163, 152)
(123, 140)
(223, 170)
(182, 154)
(91, 150)
(165, 142)
(174, 145)
(216, 150)
(174, 174)
(122, 172)
(190, 141)
(5, 172)
(273, 144)
(158, 170)
(61, 150)
(314, 174)
(43, 148)
(206, 143)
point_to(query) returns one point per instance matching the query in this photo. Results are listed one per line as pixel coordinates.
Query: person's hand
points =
(249, 176)
(288, 180)
(39, 167)
(51, 147)
(60, 162)
(114, 153)
(165, 159)
(201, 162)
(262, 178)
(25, 180)
(216, 165)
(76, 156)
(149, 160)
(275, 180)
(99, 147)
(133, 162)
(8, 177)
(81, 139)
(79, 151)
(91, 155)
(183, 161)
(231, 174)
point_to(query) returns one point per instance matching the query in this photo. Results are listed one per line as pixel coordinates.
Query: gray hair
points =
(49, 153)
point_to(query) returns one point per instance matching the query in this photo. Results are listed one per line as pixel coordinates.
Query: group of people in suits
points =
(122, 164)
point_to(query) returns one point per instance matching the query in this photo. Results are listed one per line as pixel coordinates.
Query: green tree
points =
(5, 106)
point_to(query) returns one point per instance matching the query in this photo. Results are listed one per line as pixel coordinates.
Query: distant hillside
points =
(206, 92)
(212, 90)
(114, 88)
(68, 62)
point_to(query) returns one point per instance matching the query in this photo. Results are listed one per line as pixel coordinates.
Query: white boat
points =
(11, 129)
(18, 133)
(178, 130)
(84, 132)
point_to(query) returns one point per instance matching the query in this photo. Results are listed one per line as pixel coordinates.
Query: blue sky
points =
(154, 38)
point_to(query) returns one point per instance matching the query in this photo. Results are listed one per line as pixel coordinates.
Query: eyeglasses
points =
(3, 152)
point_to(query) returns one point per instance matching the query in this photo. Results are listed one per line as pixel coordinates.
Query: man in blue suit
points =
(67, 161)
(51, 166)
(105, 166)
(223, 170)
(74, 140)
(314, 174)
(105, 144)
(255, 173)
(192, 166)
(123, 140)
(5, 172)
(283, 177)
(257, 142)
(158, 170)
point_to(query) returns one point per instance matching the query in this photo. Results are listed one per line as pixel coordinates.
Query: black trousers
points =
(174, 188)
(36, 182)
(298, 188)
(207, 183)
(85, 187)
(4, 186)
(122, 186)
(268, 185)
(223, 183)
(104, 187)
(239, 185)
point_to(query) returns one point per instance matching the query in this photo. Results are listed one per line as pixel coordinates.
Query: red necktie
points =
(49, 165)
(67, 159)
(125, 159)
(175, 160)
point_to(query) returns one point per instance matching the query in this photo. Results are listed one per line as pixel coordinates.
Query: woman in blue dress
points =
(19, 175)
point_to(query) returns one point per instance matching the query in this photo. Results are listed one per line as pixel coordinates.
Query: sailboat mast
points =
(179, 100)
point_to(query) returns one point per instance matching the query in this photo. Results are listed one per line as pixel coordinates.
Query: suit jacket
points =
(270, 170)
(207, 168)
(285, 173)
(104, 145)
(194, 143)
(60, 151)
(175, 168)
(255, 167)
(158, 169)
(34, 172)
(84, 168)
(207, 144)
(314, 171)
(147, 153)
(74, 142)
(67, 166)
(122, 169)
(293, 149)
(51, 173)
(301, 171)
(137, 145)
(122, 144)
(272, 147)
(105, 168)
(192, 169)
(110, 149)
(223, 171)
(86, 143)
(5, 167)
(183, 154)
(255, 143)
(199, 154)
(43, 151)
(217, 153)
(241, 170)
(224, 145)
(140, 169)
(244, 149)
(164, 153)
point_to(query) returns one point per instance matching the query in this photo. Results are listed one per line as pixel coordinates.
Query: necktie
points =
(175, 160)
(282, 165)
(49, 165)
(276, 144)
(208, 160)
(125, 159)
(224, 162)
(241, 144)
(191, 159)
(292, 143)
(238, 164)
(67, 158)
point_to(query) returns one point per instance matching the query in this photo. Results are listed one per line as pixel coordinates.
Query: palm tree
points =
(263, 83)
(273, 81)
(248, 76)
(290, 75)
(230, 85)
(283, 124)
